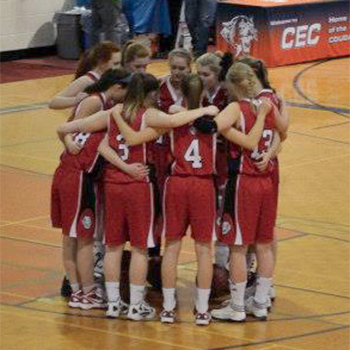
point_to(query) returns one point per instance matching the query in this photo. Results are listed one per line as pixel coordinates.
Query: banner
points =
(283, 35)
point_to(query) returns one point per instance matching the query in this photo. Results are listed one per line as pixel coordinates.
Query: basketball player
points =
(73, 198)
(94, 62)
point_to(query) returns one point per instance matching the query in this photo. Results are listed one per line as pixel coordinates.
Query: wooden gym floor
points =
(312, 308)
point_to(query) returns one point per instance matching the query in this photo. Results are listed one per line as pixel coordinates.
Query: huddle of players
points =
(153, 125)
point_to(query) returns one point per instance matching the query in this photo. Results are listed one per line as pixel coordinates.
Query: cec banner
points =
(284, 32)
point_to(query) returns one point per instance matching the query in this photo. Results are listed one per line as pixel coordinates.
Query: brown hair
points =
(140, 86)
(181, 53)
(259, 69)
(132, 50)
(192, 88)
(99, 53)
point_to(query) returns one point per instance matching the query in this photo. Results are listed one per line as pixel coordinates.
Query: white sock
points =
(263, 286)
(222, 253)
(202, 300)
(112, 289)
(75, 287)
(237, 293)
(169, 301)
(136, 293)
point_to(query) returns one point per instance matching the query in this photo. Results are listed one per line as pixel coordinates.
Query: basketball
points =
(219, 284)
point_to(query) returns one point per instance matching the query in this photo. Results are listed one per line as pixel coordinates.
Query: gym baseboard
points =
(28, 53)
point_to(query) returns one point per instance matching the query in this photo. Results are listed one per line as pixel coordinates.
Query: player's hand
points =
(263, 162)
(80, 96)
(137, 171)
(211, 110)
(265, 106)
(72, 147)
(118, 109)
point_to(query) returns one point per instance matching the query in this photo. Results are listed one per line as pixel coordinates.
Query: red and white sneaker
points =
(203, 319)
(75, 299)
(93, 300)
(167, 316)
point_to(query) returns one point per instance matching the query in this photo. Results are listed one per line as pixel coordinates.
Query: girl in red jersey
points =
(73, 197)
(94, 62)
(135, 221)
(282, 123)
(249, 214)
(190, 183)
(135, 57)
(170, 93)
(211, 68)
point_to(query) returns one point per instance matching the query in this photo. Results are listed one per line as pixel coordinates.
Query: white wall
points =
(28, 23)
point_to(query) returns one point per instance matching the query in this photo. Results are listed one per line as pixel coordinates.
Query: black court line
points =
(282, 216)
(305, 234)
(314, 106)
(24, 305)
(29, 172)
(318, 137)
(275, 340)
(307, 98)
(330, 126)
(28, 142)
(23, 108)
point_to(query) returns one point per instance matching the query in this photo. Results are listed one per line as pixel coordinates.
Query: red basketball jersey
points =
(194, 153)
(93, 76)
(167, 96)
(271, 95)
(86, 159)
(218, 99)
(129, 154)
(247, 121)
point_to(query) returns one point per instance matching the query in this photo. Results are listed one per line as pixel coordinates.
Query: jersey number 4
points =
(192, 155)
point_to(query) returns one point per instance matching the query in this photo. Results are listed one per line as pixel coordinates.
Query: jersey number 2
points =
(192, 155)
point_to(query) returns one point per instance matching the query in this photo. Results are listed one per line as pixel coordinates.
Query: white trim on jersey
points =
(239, 237)
(211, 98)
(163, 207)
(215, 136)
(177, 100)
(95, 74)
(172, 147)
(73, 228)
(150, 236)
(144, 145)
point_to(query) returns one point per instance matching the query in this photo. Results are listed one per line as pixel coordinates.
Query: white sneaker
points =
(117, 308)
(167, 316)
(258, 310)
(272, 293)
(203, 319)
(141, 311)
(93, 300)
(229, 312)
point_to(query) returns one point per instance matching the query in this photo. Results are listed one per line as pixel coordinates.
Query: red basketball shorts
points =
(129, 214)
(250, 211)
(189, 201)
(73, 202)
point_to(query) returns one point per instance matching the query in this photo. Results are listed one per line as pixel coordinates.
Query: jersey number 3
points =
(192, 155)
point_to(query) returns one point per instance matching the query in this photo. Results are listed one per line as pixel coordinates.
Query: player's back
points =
(193, 152)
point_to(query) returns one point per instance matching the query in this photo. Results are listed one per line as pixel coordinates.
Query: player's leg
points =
(169, 275)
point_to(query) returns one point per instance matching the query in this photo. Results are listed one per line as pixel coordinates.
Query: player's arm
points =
(71, 95)
(250, 140)
(133, 137)
(271, 153)
(88, 106)
(95, 122)
(282, 120)
(158, 119)
(135, 170)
